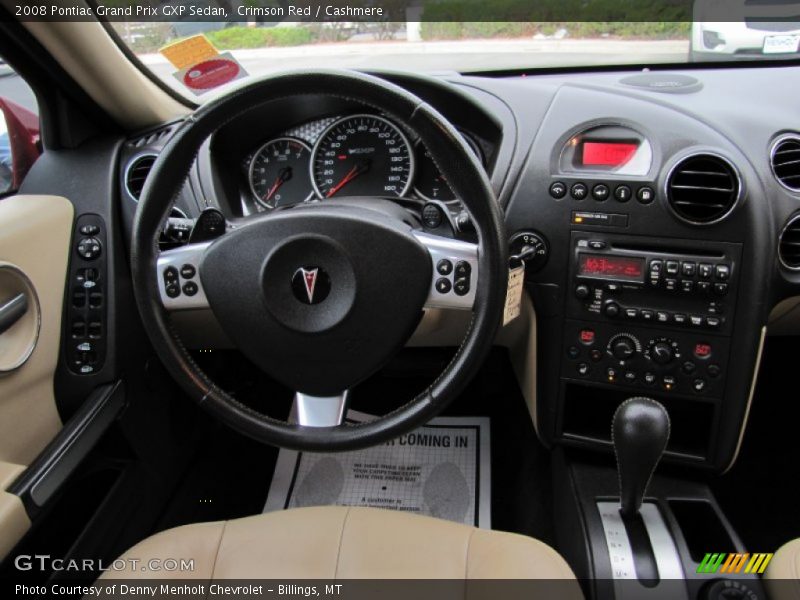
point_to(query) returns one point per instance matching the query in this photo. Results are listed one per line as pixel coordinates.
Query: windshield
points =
(199, 46)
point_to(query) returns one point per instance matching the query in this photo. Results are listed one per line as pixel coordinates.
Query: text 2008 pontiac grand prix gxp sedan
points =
(417, 307)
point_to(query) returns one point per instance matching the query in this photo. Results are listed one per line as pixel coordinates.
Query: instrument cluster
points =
(353, 155)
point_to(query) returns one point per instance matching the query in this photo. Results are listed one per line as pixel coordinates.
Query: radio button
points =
(688, 269)
(597, 244)
(696, 320)
(613, 288)
(622, 193)
(705, 271)
(582, 291)
(722, 272)
(558, 190)
(632, 313)
(672, 267)
(687, 285)
(720, 289)
(703, 286)
(578, 191)
(600, 192)
(714, 322)
(662, 316)
(647, 315)
(671, 284)
(655, 266)
(679, 318)
(645, 194)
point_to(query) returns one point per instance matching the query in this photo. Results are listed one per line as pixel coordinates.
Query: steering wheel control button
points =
(173, 290)
(622, 193)
(444, 267)
(463, 269)
(310, 285)
(558, 190)
(645, 194)
(190, 288)
(578, 191)
(600, 192)
(89, 248)
(461, 286)
(188, 271)
(170, 275)
(443, 285)
(431, 216)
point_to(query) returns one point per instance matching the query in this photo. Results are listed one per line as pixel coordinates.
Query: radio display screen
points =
(607, 153)
(612, 267)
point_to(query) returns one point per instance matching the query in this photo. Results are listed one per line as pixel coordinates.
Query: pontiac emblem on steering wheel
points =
(311, 285)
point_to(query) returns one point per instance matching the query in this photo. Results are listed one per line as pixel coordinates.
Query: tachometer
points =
(279, 173)
(362, 155)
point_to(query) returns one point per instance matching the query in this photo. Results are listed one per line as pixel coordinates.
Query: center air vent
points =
(786, 162)
(137, 174)
(702, 188)
(789, 247)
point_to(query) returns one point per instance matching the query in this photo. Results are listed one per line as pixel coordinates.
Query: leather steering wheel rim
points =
(458, 165)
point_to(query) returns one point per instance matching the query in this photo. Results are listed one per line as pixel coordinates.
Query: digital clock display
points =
(613, 267)
(606, 153)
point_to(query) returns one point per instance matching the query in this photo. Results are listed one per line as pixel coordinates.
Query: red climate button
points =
(587, 336)
(702, 350)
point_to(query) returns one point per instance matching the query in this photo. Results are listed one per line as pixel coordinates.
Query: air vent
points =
(137, 174)
(789, 247)
(702, 188)
(150, 138)
(786, 162)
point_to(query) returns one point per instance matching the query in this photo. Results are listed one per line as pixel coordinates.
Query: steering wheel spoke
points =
(178, 273)
(455, 272)
(319, 411)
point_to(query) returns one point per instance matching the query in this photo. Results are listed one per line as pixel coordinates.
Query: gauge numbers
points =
(279, 173)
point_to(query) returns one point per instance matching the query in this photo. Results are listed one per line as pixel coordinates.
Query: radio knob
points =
(582, 291)
(623, 347)
(611, 309)
(662, 353)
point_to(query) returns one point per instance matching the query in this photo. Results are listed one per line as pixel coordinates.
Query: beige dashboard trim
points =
(90, 56)
(35, 233)
(749, 399)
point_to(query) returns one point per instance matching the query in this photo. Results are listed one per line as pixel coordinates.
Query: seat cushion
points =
(783, 573)
(347, 543)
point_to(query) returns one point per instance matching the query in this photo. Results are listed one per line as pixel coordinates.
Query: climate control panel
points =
(683, 363)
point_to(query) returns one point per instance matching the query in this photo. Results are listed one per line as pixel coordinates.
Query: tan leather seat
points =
(348, 543)
(783, 573)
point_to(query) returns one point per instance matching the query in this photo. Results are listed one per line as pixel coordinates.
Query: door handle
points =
(12, 311)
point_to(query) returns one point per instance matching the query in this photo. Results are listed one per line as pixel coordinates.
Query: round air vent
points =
(137, 174)
(702, 188)
(785, 161)
(789, 246)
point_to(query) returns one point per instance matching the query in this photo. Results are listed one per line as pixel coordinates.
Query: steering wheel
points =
(321, 295)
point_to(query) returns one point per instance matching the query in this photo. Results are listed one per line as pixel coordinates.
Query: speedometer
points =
(362, 155)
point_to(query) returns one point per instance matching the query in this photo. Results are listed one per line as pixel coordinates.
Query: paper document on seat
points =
(441, 470)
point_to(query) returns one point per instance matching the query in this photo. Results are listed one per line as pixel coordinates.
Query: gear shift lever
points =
(639, 431)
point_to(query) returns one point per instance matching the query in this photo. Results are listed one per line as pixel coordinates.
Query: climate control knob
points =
(623, 346)
(663, 351)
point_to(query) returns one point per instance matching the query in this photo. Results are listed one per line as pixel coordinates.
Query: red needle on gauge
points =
(284, 176)
(351, 174)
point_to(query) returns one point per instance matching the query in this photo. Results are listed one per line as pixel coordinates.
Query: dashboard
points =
(663, 210)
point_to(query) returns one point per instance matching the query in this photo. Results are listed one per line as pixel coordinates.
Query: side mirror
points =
(19, 144)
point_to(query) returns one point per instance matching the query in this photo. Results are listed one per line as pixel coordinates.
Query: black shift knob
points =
(639, 431)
